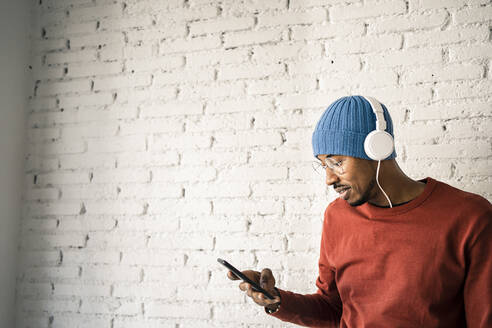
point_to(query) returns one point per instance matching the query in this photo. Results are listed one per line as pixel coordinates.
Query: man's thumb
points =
(267, 281)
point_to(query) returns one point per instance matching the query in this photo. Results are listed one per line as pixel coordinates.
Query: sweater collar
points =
(375, 211)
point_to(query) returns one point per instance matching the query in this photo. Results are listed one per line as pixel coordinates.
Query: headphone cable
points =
(377, 180)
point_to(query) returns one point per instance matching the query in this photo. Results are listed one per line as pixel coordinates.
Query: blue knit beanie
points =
(344, 126)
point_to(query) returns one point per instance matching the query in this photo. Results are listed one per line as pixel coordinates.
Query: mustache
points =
(335, 186)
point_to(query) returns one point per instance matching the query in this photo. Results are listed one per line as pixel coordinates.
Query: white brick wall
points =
(165, 134)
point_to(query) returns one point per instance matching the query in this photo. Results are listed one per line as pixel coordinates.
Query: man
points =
(394, 252)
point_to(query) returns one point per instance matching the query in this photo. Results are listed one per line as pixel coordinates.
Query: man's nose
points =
(331, 177)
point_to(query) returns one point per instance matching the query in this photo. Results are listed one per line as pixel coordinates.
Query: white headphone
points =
(378, 144)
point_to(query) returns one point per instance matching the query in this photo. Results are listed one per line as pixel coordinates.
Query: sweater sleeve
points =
(322, 309)
(478, 283)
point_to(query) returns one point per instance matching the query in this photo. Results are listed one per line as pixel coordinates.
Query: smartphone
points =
(240, 275)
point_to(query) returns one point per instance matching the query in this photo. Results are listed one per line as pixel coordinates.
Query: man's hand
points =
(266, 280)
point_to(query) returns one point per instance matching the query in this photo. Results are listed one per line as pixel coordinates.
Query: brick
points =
(479, 149)
(405, 57)
(248, 139)
(316, 15)
(139, 159)
(37, 135)
(216, 158)
(262, 173)
(172, 109)
(96, 39)
(417, 21)
(85, 161)
(284, 189)
(250, 71)
(42, 274)
(246, 206)
(218, 190)
(80, 320)
(221, 25)
(188, 45)
(240, 105)
(125, 23)
(467, 52)
(184, 76)
(365, 44)
(214, 224)
(54, 88)
(91, 191)
(243, 38)
(61, 289)
(52, 208)
(369, 9)
(448, 112)
(70, 29)
(45, 241)
(190, 13)
(179, 208)
(113, 207)
(434, 73)
(165, 63)
(236, 121)
(273, 86)
(154, 224)
(117, 144)
(154, 258)
(116, 307)
(122, 81)
(39, 225)
(219, 56)
(248, 242)
(473, 15)
(327, 31)
(59, 147)
(86, 224)
(87, 55)
(120, 176)
(37, 258)
(369, 79)
(98, 99)
(298, 50)
(42, 194)
(110, 273)
(181, 174)
(91, 257)
(450, 36)
(50, 305)
(326, 65)
(92, 69)
(181, 142)
(461, 89)
(96, 12)
(177, 311)
(183, 241)
(305, 100)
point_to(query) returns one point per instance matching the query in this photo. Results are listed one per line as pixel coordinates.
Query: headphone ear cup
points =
(378, 145)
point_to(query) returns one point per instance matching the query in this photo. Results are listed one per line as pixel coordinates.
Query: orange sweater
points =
(426, 263)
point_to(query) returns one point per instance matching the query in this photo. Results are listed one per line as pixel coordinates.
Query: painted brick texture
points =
(165, 134)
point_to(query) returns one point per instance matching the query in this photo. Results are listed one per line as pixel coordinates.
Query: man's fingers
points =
(267, 281)
(232, 276)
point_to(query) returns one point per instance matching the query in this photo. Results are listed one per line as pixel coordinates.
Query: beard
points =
(364, 198)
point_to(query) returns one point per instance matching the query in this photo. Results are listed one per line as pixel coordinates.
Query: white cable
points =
(377, 180)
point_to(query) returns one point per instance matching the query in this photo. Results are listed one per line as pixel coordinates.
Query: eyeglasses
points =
(336, 167)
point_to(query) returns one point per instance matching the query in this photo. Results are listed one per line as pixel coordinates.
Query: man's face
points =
(356, 184)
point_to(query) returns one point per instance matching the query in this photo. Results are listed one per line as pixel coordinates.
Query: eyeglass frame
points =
(335, 166)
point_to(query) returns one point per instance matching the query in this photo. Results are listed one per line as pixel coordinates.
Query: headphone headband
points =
(378, 111)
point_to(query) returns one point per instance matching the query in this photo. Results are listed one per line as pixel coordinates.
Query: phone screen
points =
(240, 275)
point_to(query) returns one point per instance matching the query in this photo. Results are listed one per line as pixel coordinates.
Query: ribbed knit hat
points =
(344, 126)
